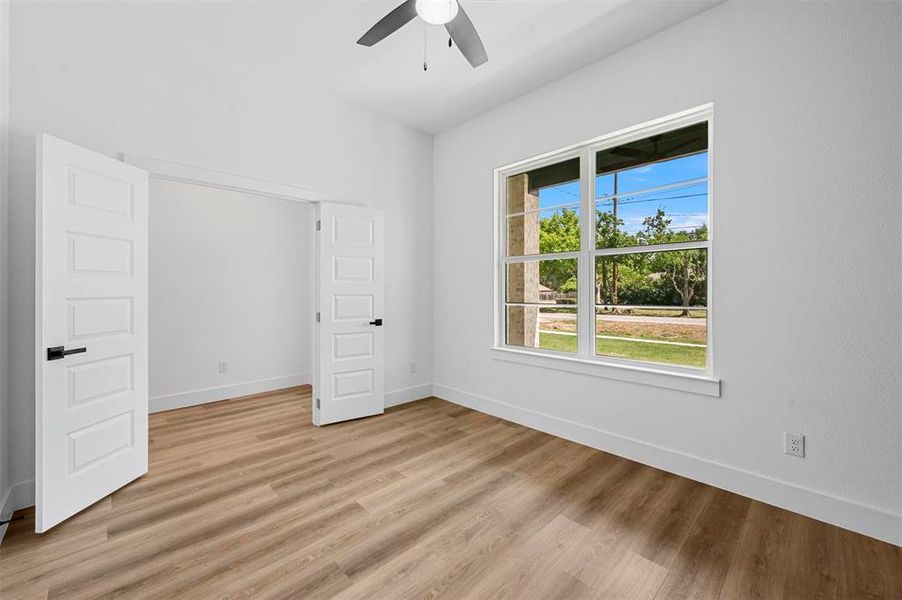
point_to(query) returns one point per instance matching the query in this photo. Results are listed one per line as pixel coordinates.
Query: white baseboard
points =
(19, 495)
(195, 397)
(405, 395)
(845, 513)
(6, 511)
(215, 394)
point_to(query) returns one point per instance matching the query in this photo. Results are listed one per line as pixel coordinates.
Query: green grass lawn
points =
(660, 353)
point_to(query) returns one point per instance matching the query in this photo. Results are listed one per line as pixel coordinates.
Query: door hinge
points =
(317, 403)
(317, 317)
(319, 224)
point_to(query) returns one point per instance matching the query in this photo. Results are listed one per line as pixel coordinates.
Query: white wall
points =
(128, 77)
(230, 280)
(808, 264)
(4, 203)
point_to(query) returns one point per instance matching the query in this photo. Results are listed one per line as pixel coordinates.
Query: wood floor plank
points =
(704, 558)
(245, 498)
(763, 551)
(669, 526)
(520, 573)
(598, 558)
(865, 568)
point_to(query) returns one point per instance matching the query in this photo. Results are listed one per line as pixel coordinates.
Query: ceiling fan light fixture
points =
(437, 12)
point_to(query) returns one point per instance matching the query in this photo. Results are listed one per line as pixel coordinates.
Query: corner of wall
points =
(4, 273)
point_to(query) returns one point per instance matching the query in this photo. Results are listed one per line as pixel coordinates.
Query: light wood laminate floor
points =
(245, 498)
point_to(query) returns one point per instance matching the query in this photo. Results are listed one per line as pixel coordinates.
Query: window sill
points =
(684, 382)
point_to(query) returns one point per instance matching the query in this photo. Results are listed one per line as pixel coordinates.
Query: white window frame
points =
(585, 361)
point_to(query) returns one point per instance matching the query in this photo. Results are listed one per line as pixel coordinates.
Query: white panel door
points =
(91, 382)
(348, 358)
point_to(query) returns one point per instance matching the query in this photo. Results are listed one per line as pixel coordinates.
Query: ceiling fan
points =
(435, 12)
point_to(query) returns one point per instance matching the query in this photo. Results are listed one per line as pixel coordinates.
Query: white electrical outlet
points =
(223, 366)
(413, 367)
(794, 444)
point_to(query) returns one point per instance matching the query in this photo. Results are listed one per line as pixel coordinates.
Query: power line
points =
(619, 202)
(634, 201)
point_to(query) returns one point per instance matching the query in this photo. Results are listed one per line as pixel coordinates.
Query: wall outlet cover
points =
(794, 444)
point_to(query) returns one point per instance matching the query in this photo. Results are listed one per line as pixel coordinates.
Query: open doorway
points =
(231, 293)
(228, 312)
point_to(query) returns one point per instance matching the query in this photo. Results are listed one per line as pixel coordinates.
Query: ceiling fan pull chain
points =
(425, 45)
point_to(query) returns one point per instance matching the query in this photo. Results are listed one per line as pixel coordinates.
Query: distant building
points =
(547, 295)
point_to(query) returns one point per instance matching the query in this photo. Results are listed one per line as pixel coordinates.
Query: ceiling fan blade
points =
(390, 23)
(464, 35)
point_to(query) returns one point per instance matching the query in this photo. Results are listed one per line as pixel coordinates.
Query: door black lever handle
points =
(377, 322)
(58, 352)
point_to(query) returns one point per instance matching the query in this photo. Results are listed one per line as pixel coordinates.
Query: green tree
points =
(608, 234)
(684, 271)
(559, 233)
(661, 278)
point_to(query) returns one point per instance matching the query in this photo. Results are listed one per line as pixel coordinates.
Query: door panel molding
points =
(348, 354)
(91, 307)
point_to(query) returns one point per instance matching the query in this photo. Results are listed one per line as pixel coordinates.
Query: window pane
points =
(545, 187)
(543, 232)
(677, 278)
(653, 307)
(652, 175)
(661, 336)
(546, 327)
(676, 214)
(542, 281)
(634, 156)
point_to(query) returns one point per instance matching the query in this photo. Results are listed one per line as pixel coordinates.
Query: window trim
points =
(585, 361)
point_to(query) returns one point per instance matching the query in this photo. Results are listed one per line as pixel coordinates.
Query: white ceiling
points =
(529, 43)
(277, 46)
